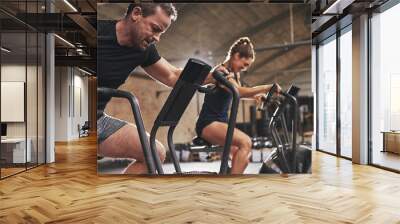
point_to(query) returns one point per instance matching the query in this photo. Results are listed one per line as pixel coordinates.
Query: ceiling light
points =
(65, 41)
(337, 7)
(5, 50)
(70, 5)
(84, 71)
(331, 7)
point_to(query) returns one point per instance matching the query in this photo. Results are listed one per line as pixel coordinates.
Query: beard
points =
(140, 42)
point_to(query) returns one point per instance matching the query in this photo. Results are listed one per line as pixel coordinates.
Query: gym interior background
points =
(282, 40)
(354, 81)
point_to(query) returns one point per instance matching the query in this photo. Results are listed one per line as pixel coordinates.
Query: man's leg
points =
(125, 143)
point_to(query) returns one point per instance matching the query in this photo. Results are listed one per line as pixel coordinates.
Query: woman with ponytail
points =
(213, 118)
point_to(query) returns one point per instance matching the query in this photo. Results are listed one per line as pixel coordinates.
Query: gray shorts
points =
(106, 126)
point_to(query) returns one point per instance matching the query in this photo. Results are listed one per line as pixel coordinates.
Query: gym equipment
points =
(288, 157)
(261, 142)
(190, 81)
(201, 145)
(138, 120)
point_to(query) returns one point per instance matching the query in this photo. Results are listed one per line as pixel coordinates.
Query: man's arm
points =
(164, 72)
(168, 74)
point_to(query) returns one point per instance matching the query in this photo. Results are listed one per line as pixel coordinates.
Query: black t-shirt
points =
(116, 62)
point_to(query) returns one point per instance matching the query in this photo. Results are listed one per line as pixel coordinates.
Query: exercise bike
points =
(288, 156)
(190, 81)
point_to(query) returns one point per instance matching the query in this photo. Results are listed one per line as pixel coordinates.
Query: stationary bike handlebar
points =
(220, 78)
(266, 99)
(138, 120)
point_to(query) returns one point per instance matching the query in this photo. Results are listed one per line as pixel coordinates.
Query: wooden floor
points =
(5, 172)
(10, 171)
(70, 191)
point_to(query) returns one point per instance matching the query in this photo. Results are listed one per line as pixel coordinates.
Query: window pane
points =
(385, 84)
(327, 96)
(345, 94)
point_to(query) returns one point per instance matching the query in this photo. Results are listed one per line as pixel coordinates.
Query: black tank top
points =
(216, 105)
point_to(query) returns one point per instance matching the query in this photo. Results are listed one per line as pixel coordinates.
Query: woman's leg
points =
(241, 143)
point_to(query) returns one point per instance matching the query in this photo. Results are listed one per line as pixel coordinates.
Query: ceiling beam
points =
(251, 31)
(86, 26)
(280, 71)
(289, 67)
(81, 61)
(16, 18)
(271, 58)
(284, 46)
(91, 5)
(49, 22)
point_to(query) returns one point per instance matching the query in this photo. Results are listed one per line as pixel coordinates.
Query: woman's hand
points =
(221, 68)
(258, 98)
(210, 79)
(278, 88)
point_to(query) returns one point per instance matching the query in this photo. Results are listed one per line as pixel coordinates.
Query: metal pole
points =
(172, 151)
(153, 148)
(138, 120)
(232, 120)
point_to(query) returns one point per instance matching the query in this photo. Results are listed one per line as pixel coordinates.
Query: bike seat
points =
(199, 141)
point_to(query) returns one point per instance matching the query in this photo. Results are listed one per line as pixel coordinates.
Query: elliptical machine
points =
(288, 156)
